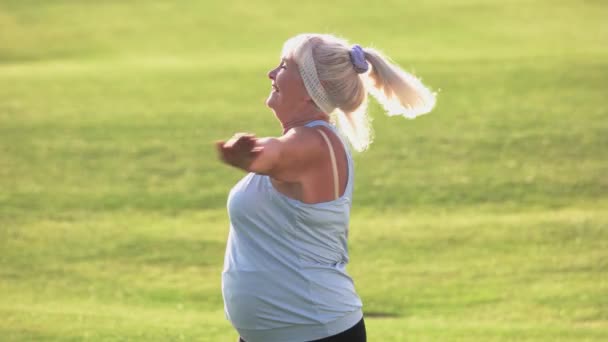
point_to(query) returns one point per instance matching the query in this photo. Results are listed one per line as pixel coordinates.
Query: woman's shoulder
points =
(303, 137)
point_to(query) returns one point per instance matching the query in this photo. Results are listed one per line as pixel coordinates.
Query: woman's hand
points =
(240, 150)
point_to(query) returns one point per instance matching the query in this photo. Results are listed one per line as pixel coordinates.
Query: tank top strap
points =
(333, 129)
(351, 168)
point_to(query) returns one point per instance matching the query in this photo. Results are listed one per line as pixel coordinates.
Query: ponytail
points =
(399, 92)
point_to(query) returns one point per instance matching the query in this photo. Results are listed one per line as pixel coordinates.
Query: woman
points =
(284, 277)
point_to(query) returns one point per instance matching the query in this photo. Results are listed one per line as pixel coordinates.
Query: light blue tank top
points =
(284, 277)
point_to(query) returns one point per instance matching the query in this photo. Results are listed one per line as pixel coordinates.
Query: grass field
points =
(486, 220)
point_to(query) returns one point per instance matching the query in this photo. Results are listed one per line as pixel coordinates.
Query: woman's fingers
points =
(222, 151)
(245, 143)
(241, 142)
(240, 150)
(239, 139)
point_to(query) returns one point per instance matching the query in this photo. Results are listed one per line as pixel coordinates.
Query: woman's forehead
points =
(291, 46)
(285, 55)
(288, 61)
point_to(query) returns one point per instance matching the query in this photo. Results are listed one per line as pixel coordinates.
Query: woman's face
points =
(288, 90)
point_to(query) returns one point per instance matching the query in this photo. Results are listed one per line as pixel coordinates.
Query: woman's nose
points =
(272, 73)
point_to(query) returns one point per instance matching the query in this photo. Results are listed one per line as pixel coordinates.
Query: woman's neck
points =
(289, 124)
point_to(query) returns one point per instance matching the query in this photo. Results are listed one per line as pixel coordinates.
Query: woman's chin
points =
(271, 101)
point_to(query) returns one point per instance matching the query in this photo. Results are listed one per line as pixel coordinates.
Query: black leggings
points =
(354, 334)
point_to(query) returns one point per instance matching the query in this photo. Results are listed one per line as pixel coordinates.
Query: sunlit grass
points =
(486, 220)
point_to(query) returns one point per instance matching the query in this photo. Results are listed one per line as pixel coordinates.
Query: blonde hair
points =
(332, 81)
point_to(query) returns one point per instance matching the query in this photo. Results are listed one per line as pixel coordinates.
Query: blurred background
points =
(485, 220)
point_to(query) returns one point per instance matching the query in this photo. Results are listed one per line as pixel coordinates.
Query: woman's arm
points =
(285, 158)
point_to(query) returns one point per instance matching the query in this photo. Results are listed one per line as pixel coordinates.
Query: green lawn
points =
(486, 220)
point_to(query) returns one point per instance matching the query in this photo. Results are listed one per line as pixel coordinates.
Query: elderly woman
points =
(284, 277)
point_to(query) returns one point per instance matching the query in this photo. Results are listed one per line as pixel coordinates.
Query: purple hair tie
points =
(357, 57)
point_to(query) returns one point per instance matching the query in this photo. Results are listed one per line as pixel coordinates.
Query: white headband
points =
(308, 71)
